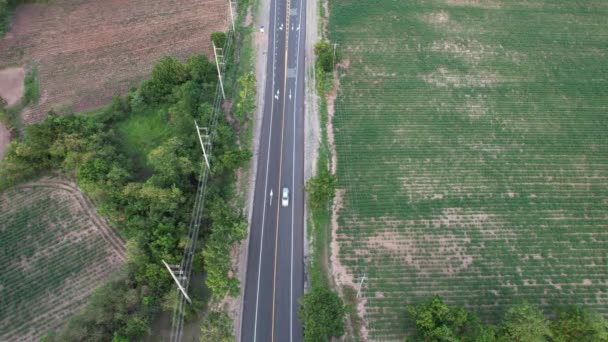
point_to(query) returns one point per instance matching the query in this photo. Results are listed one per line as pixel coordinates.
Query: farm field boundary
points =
(55, 252)
(472, 158)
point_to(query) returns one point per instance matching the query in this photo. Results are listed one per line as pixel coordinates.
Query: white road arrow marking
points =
(276, 96)
(270, 203)
(290, 93)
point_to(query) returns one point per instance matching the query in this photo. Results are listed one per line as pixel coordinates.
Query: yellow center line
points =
(276, 242)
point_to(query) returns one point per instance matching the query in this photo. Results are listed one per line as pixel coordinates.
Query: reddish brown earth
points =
(88, 51)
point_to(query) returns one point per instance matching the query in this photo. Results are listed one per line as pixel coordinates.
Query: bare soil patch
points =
(440, 17)
(443, 78)
(488, 4)
(11, 85)
(5, 139)
(88, 51)
(248, 18)
(448, 256)
(331, 99)
(339, 272)
(472, 51)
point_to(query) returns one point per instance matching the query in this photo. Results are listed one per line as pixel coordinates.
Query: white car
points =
(285, 198)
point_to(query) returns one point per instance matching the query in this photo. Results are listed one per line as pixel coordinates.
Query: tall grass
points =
(31, 92)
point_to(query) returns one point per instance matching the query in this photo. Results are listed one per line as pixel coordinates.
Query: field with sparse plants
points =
(54, 251)
(472, 154)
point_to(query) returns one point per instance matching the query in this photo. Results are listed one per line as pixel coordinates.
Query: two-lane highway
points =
(275, 266)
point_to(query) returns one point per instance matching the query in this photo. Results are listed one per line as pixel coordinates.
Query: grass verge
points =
(145, 130)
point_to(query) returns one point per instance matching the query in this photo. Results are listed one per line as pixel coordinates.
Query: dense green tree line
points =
(147, 198)
(435, 321)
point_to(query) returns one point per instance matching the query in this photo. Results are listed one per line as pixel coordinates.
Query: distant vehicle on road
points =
(285, 197)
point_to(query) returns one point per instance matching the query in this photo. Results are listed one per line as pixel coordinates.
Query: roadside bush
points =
(321, 189)
(325, 56)
(322, 314)
(228, 227)
(246, 97)
(217, 327)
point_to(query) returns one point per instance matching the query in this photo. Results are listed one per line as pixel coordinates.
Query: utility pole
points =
(177, 278)
(204, 140)
(230, 4)
(219, 56)
(360, 284)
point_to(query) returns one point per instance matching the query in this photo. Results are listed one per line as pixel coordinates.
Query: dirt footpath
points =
(11, 85)
(5, 138)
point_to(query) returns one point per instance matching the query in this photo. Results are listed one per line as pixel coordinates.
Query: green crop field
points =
(53, 254)
(472, 151)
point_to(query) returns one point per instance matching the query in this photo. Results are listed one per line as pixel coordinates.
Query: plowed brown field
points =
(88, 51)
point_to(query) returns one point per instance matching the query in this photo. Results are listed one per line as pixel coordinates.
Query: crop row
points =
(52, 257)
(472, 152)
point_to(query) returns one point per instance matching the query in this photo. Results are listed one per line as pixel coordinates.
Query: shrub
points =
(579, 324)
(325, 56)
(322, 313)
(525, 323)
(166, 74)
(31, 92)
(219, 39)
(321, 189)
(217, 327)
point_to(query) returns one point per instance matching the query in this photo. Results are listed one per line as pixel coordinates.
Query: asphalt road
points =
(275, 267)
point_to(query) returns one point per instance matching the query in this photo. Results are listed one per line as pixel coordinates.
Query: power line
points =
(206, 140)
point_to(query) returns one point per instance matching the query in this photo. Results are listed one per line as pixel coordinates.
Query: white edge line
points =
(293, 171)
(257, 295)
